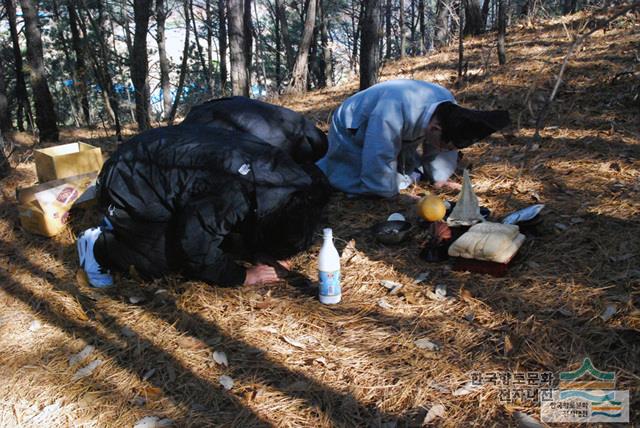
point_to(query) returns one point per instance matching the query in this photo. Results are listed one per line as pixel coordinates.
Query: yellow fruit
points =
(431, 208)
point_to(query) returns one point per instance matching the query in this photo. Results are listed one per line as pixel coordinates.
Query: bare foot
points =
(451, 185)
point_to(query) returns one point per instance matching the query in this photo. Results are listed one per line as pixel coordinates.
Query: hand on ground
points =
(285, 264)
(260, 274)
(451, 185)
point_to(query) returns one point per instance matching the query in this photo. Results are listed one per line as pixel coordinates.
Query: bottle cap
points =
(327, 232)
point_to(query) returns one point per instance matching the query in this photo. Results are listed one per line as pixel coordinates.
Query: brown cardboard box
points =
(66, 160)
(44, 209)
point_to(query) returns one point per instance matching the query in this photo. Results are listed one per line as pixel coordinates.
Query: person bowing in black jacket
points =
(195, 200)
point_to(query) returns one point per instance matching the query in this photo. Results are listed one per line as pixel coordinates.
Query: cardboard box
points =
(44, 209)
(67, 160)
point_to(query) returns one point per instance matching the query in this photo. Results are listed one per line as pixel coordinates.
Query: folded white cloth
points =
(492, 242)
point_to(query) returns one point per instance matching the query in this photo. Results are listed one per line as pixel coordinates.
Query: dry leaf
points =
(153, 422)
(466, 389)
(437, 411)
(265, 304)
(152, 392)
(47, 415)
(561, 226)
(439, 388)
(148, 374)
(87, 370)
(390, 285)
(80, 356)
(526, 421)
(384, 304)
(609, 311)
(426, 344)
(35, 325)
(421, 277)
(226, 382)
(220, 358)
(395, 289)
(321, 360)
(348, 253)
(508, 346)
(465, 294)
(80, 313)
(81, 278)
(294, 342)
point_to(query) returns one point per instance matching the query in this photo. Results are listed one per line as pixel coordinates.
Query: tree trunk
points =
(412, 28)
(403, 38)
(387, 28)
(5, 118)
(441, 37)
(502, 29)
(165, 81)
(183, 67)
(24, 108)
(300, 69)
(369, 45)
(472, 17)
(326, 50)
(139, 63)
(486, 4)
(313, 71)
(248, 38)
(81, 69)
(100, 62)
(203, 62)
(277, 36)
(461, 15)
(569, 6)
(45, 113)
(69, 90)
(5, 167)
(356, 27)
(209, 18)
(260, 48)
(237, 44)
(222, 45)
(421, 44)
(284, 30)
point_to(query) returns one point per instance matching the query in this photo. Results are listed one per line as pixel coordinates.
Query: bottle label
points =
(330, 283)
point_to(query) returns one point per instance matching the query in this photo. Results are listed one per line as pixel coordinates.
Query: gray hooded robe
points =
(375, 133)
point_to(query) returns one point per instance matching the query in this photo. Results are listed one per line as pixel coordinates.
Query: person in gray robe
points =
(375, 135)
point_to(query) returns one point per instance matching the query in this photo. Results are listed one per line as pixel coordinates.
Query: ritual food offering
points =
(431, 208)
(391, 232)
(493, 243)
(467, 210)
(396, 217)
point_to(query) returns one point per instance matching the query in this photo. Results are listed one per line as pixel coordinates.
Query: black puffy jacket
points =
(276, 125)
(197, 186)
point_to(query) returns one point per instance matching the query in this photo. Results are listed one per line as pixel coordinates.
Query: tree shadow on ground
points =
(203, 398)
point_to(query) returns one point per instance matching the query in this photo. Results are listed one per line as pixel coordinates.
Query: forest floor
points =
(295, 362)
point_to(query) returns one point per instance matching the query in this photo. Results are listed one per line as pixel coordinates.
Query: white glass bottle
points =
(329, 271)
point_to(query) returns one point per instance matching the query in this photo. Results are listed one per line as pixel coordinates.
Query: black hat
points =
(463, 127)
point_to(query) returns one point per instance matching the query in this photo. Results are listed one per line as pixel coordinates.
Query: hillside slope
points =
(297, 363)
